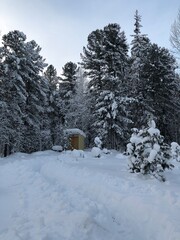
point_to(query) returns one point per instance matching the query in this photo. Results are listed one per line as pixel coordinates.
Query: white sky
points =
(61, 27)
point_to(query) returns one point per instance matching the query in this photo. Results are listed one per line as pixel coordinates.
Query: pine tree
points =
(68, 80)
(139, 49)
(54, 108)
(78, 115)
(51, 75)
(67, 87)
(175, 151)
(93, 62)
(36, 96)
(93, 59)
(154, 84)
(148, 154)
(12, 94)
(26, 99)
(161, 88)
(174, 126)
(106, 62)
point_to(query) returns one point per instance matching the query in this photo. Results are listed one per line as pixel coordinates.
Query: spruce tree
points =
(161, 89)
(139, 49)
(105, 59)
(148, 154)
(51, 75)
(175, 151)
(54, 107)
(153, 84)
(12, 93)
(78, 115)
(68, 80)
(22, 66)
(67, 88)
(36, 96)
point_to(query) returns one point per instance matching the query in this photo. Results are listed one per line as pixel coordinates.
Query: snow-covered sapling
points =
(57, 148)
(78, 153)
(96, 152)
(175, 151)
(106, 151)
(148, 154)
(98, 142)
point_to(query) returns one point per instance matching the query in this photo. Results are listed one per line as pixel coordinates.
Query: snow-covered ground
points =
(63, 196)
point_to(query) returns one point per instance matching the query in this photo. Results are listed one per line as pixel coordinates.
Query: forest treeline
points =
(115, 87)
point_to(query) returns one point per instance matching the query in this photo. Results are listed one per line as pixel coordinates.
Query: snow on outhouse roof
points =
(72, 131)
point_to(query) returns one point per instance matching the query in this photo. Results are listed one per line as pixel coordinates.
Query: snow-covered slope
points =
(63, 196)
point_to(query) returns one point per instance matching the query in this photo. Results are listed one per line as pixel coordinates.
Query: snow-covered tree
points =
(67, 87)
(98, 142)
(31, 68)
(78, 114)
(175, 34)
(148, 154)
(68, 81)
(12, 94)
(175, 150)
(22, 64)
(137, 82)
(162, 89)
(153, 84)
(51, 75)
(54, 107)
(106, 61)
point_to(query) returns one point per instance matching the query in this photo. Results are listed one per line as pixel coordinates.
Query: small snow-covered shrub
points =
(98, 142)
(78, 153)
(96, 152)
(106, 151)
(148, 154)
(57, 148)
(175, 150)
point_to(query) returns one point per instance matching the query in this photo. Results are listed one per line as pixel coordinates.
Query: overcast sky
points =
(61, 27)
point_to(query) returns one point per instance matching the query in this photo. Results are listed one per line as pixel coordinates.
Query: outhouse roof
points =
(72, 131)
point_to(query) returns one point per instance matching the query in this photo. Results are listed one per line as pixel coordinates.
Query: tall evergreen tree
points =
(12, 94)
(51, 75)
(68, 80)
(67, 87)
(139, 49)
(153, 84)
(106, 62)
(54, 107)
(162, 88)
(175, 124)
(78, 114)
(36, 96)
(22, 64)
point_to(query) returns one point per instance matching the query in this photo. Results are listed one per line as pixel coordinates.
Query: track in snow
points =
(50, 196)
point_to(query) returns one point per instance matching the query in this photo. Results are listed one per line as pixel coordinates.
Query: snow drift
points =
(51, 196)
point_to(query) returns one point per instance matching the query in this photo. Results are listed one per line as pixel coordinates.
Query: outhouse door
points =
(75, 142)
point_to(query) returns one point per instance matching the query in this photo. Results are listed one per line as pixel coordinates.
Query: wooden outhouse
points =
(76, 137)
